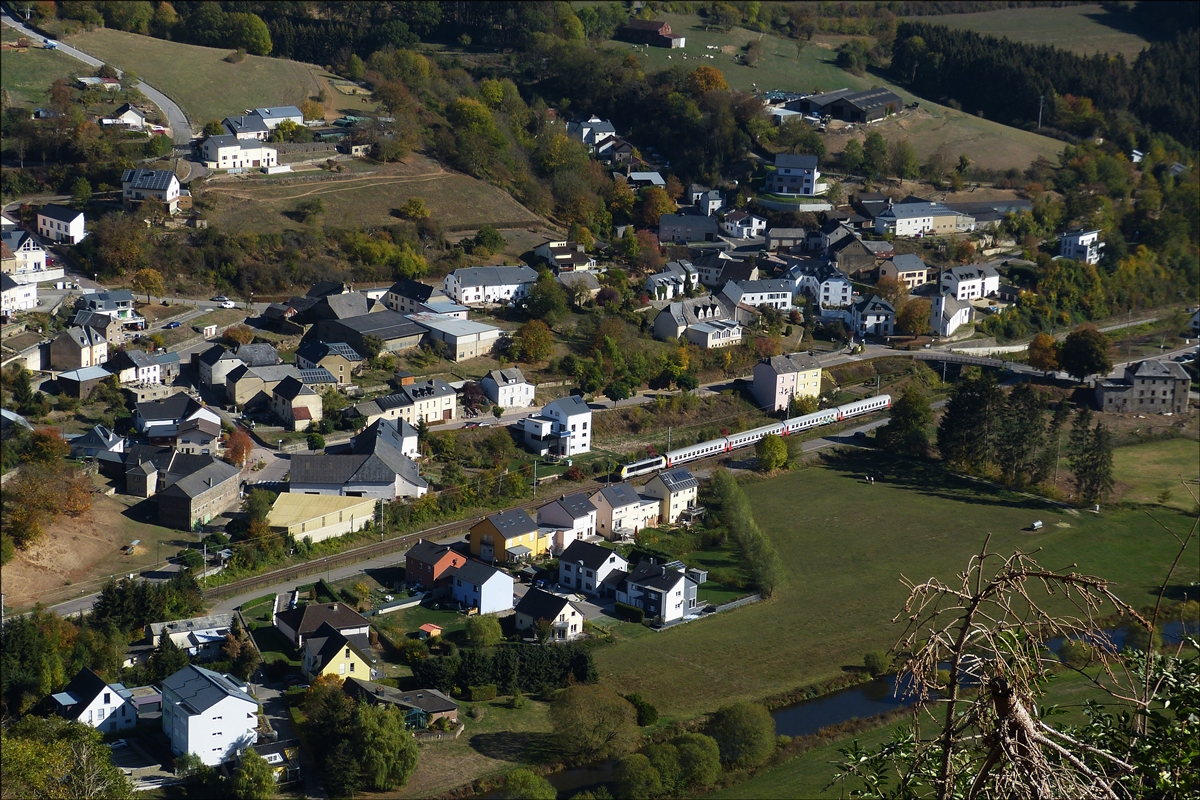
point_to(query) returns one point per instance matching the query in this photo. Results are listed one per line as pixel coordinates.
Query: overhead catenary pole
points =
(1041, 100)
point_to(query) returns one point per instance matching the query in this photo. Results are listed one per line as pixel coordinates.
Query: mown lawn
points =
(1084, 29)
(1144, 471)
(204, 86)
(845, 545)
(27, 76)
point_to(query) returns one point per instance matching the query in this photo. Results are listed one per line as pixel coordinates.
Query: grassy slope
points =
(1080, 29)
(1148, 469)
(27, 76)
(987, 143)
(845, 545)
(197, 79)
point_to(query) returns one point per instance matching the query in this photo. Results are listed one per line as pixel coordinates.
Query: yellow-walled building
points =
(328, 652)
(508, 536)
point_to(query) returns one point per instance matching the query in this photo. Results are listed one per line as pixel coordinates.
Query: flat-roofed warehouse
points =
(320, 516)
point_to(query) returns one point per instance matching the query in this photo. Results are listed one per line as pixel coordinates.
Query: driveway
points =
(181, 129)
(275, 709)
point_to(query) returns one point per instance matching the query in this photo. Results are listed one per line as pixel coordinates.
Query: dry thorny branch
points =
(976, 659)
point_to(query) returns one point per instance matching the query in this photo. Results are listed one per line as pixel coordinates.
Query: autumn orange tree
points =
(1043, 353)
(239, 334)
(706, 79)
(238, 448)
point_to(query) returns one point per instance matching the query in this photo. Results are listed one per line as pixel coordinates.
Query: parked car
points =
(220, 298)
(228, 304)
(173, 325)
(118, 744)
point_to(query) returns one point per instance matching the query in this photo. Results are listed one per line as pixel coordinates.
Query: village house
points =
(378, 466)
(743, 225)
(563, 428)
(234, 152)
(676, 279)
(339, 358)
(683, 317)
(795, 174)
(1081, 245)
(615, 151)
(906, 269)
(208, 714)
(571, 517)
(717, 268)
(592, 132)
(87, 699)
(329, 652)
(621, 512)
(97, 440)
(971, 282)
(200, 637)
(580, 286)
(780, 378)
(274, 116)
(298, 624)
(583, 567)
(947, 313)
(508, 388)
(127, 116)
(148, 469)
(852, 256)
(118, 304)
(428, 565)
(107, 325)
(296, 404)
(78, 347)
(199, 436)
(60, 224)
(564, 256)
(683, 228)
(200, 496)
(24, 260)
(775, 293)
(252, 388)
(1147, 387)
(826, 285)
(162, 417)
(134, 366)
(705, 200)
(414, 297)
(652, 32)
(476, 585)
(676, 490)
(139, 185)
(16, 297)
(508, 536)
(539, 606)
(474, 286)
(397, 331)
(915, 216)
(664, 593)
(247, 126)
(459, 339)
(872, 316)
(421, 707)
(431, 401)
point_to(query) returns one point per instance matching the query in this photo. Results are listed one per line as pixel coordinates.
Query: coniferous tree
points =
(1021, 433)
(971, 420)
(1093, 464)
(1047, 463)
(907, 432)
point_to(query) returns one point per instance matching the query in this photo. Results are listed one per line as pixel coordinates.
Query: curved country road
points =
(181, 129)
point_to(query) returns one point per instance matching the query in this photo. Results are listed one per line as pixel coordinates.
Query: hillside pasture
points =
(197, 78)
(1144, 471)
(813, 68)
(1082, 29)
(845, 545)
(455, 200)
(26, 76)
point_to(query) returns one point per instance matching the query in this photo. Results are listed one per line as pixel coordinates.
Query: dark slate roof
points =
(163, 459)
(384, 324)
(98, 437)
(317, 376)
(305, 620)
(414, 290)
(246, 123)
(94, 319)
(908, 262)
(326, 641)
(341, 306)
(202, 480)
(290, 388)
(577, 505)
(314, 351)
(128, 107)
(428, 700)
(85, 687)
(258, 355)
(655, 576)
(177, 406)
(676, 480)
(1154, 368)
(790, 161)
(427, 552)
(475, 573)
(507, 376)
(216, 353)
(571, 405)
(325, 288)
(592, 556)
(150, 179)
(620, 495)
(514, 522)
(125, 359)
(874, 305)
(540, 604)
(200, 689)
(59, 213)
(494, 276)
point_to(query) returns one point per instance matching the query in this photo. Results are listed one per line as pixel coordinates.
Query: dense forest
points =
(1006, 81)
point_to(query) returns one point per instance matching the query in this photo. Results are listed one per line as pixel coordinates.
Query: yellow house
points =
(676, 489)
(509, 536)
(328, 652)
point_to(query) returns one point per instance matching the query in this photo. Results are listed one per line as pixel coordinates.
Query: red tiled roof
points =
(301, 413)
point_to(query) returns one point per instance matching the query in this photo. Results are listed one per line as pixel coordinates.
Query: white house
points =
(564, 256)
(828, 286)
(593, 132)
(664, 593)
(743, 225)
(209, 714)
(562, 429)
(917, 217)
(140, 184)
(795, 175)
(433, 400)
(231, 152)
(780, 378)
(621, 512)
(473, 286)
(508, 388)
(776, 293)
(128, 116)
(565, 618)
(971, 282)
(379, 465)
(247, 126)
(463, 339)
(707, 201)
(134, 366)
(477, 585)
(274, 115)
(1081, 245)
(24, 260)
(15, 296)
(60, 224)
(89, 700)
(413, 297)
(572, 516)
(584, 566)
(947, 313)
(872, 316)
(676, 279)
(162, 417)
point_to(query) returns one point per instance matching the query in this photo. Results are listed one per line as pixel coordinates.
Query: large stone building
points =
(1148, 387)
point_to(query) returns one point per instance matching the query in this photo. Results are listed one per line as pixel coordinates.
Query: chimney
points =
(334, 607)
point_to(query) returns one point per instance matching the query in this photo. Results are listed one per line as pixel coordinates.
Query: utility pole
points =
(1041, 100)
(204, 572)
(535, 463)
(668, 438)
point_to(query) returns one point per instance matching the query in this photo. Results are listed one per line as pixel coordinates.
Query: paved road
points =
(181, 129)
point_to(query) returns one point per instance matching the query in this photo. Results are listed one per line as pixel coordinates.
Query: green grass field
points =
(453, 199)
(989, 144)
(196, 78)
(26, 77)
(1144, 471)
(1080, 29)
(846, 544)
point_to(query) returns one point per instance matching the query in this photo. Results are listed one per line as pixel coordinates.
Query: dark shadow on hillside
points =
(926, 477)
(145, 511)
(1178, 592)
(521, 748)
(1127, 23)
(388, 577)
